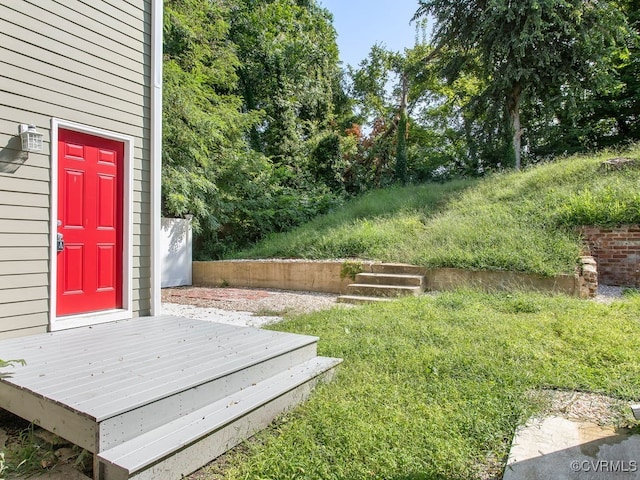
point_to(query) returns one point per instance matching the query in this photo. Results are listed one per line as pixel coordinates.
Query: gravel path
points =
(240, 306)
(607, 293)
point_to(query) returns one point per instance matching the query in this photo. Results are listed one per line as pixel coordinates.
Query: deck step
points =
(359, 299)
(237, 366)
(405, 280)
(183, 445)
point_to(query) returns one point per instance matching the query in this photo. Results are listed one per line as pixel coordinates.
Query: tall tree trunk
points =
(401, 143)
(513, 109)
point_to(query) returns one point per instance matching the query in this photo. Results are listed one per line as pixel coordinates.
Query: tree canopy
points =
(264, 129)
(533, 50)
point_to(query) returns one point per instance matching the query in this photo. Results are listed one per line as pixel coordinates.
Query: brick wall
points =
(617, 253)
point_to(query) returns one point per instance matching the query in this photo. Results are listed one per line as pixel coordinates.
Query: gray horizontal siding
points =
(21, 332)
(108, 96)
(81, 112)
(84, 61)
(22, 281)
(11, 309)
(75, 35)
(22, 321)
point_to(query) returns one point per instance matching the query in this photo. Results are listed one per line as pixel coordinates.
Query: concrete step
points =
(362, 289)
(220, 373)
(181, 446)
(357, 299)
(398, 268)
(404, 280)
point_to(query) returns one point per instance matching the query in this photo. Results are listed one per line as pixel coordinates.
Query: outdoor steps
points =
(385, 282)
(159, 397)
(178, 447)
(182, 431)
(207, 378)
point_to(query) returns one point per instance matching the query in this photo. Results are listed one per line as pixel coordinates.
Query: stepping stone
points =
(560, 449)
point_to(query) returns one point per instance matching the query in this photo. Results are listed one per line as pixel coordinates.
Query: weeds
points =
(350, 269)
(28, 454)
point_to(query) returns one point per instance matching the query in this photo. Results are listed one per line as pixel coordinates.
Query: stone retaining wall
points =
(616, 252)
(440, 279)
(326, 277)
(282, 274)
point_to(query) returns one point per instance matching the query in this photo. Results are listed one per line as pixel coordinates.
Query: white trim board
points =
(73, 321)
(156, 155)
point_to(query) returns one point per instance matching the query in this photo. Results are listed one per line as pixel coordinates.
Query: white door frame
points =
(92, 318)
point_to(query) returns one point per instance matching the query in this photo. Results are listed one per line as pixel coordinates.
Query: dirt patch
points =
(260, 301)
(583, 406)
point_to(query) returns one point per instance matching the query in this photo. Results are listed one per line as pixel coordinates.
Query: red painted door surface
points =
(89, 266)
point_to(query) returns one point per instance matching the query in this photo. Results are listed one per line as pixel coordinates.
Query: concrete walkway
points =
(555, 448)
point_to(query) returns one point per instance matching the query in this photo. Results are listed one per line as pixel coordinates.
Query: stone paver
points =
(555, 448)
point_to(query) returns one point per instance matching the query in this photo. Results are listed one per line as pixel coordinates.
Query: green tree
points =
(530, 49)
(290, 71)
(611, 117)
(203, 127)
(396, 90)
(236, 191)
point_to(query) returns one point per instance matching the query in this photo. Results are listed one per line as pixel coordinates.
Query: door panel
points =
(90, 212)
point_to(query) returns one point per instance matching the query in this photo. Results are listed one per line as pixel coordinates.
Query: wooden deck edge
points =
(73, 426)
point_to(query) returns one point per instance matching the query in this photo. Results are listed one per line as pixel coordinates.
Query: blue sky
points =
(362, 23)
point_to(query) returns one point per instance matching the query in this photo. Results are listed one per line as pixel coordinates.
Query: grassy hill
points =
(521, 221)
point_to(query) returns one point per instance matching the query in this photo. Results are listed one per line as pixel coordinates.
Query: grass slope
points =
(434, 387)
(520, 221)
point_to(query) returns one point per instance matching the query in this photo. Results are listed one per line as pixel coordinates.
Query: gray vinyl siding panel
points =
(15, 212)
(77, 33)
(81, 112)
(28, 172)
(67, 58)
(119, 88)
(24, 185)
(19, 198)
(21, 281)
(22, 321)
(32, 79)
(21, 240)
(83, 61)
(21, 332)
(22, 268)
(115, 10)
(23, 253)
(12, 309)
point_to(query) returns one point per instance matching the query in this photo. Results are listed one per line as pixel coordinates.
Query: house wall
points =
(82, 62)
(617, 254)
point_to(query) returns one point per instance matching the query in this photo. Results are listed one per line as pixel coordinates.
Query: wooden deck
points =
(158, 397)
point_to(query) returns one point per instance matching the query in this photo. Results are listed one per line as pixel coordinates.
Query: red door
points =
(89, 275)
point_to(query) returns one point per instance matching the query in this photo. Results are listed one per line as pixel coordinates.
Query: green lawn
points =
(519, 221)
(434, 387)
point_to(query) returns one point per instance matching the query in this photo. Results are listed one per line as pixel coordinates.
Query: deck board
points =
(103, 370)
